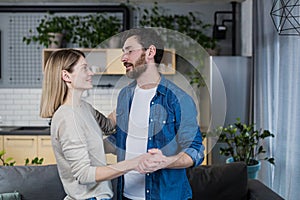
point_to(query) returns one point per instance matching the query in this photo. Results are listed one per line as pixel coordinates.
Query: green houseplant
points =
(244, 143)
(10, 161)
(89, 31)
(189, 24)
(86, 31)
(47, 28)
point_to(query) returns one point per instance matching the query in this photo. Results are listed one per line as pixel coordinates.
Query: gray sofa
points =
(226, 182)
(32, 182)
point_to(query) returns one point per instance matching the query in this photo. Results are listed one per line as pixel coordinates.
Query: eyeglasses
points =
(128, 52)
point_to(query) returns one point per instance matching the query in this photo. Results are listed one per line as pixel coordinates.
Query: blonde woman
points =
(75, 131)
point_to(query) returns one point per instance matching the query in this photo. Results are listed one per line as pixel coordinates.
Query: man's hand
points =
(153, 161)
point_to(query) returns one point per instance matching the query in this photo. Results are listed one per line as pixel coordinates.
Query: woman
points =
(76, 136)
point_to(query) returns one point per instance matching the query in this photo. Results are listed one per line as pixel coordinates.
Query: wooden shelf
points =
(108, 61)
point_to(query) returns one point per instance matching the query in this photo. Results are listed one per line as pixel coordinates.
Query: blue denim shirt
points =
(173, 128)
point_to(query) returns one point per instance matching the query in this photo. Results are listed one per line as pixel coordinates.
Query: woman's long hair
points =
(55, 90)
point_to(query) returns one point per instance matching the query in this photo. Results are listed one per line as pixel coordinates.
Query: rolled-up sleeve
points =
(188, 133)
(197, 156)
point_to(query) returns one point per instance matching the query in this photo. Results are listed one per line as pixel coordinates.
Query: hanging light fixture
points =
(219, 30)
(286, 16)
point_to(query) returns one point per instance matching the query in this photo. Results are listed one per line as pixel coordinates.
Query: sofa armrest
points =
(258, 191)
(219, 182)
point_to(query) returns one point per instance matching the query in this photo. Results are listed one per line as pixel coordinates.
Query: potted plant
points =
(244, 143)
(86, 31)
(189, 24)
(89, 31)
(51, 31)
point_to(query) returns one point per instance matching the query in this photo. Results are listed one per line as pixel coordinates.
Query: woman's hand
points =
(152, 161)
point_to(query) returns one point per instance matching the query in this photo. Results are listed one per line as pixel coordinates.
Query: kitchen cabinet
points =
(205, 153)
(1, 142)
(108, 61)
(20, 147)
(44, 149)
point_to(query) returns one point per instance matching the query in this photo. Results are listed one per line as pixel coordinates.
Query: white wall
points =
(20, 107)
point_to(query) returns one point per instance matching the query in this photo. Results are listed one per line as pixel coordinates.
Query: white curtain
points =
(277, 100)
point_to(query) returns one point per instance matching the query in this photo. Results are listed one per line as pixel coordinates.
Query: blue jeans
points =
(94, 198)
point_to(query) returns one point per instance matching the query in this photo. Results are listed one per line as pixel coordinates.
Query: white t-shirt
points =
(136, 143)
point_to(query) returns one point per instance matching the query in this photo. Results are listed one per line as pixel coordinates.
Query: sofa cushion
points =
(219, 182)
(32, 182)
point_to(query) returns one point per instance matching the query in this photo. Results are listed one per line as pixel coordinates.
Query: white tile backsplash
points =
(20, 107)
(13, 107)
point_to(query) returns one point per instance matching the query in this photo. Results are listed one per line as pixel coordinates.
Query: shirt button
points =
(148, 191)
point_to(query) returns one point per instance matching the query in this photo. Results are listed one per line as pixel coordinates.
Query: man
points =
(152, 112)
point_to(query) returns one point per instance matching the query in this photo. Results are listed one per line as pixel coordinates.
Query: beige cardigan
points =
(78, 147)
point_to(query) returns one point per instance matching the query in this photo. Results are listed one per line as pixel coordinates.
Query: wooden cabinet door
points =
(20, 147)
(1, 145)
(45, 150)
(1, 142)
(205, 152)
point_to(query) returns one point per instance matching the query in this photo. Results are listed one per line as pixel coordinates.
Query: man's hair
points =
(146, 37)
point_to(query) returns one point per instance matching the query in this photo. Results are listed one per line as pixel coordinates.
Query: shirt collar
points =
(161, 88)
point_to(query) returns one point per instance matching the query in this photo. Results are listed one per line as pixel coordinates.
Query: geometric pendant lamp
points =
(285, 15)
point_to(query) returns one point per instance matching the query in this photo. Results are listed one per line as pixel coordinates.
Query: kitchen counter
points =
(24, 130)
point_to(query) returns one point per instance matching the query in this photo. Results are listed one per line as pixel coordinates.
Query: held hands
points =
(152, 161)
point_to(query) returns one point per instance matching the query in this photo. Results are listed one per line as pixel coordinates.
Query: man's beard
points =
(138, 68)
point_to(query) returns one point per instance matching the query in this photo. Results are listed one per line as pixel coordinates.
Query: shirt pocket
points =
(164, 130)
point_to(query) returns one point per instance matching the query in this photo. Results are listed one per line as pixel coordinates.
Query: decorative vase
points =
(114, 42)
(252, 170)
(56, 40)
